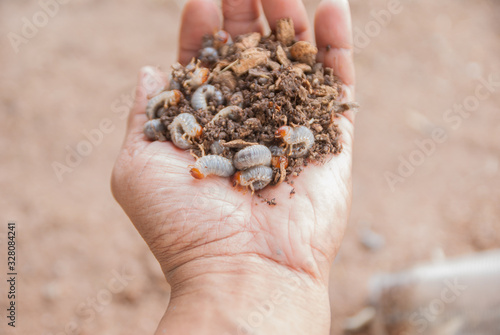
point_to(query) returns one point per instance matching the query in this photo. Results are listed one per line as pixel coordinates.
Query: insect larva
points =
(236, 99)
(173, 84)
(209, 54)
(221, 38)
(184, 125)
(252, 156)
(279, 162)
(228, 111)
(198, 78)
(216, 148)
(164, 99)
(301, 136)
(200, 96)
(276, 151)
(279, 159)
(256, 177)
(155, 130)
(212, 165)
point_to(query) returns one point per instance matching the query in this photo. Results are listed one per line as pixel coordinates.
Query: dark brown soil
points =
(271, 95)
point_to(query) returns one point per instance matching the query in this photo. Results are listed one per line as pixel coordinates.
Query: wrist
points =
(245, 295)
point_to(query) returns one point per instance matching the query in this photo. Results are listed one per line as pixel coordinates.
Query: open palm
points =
(183, 219)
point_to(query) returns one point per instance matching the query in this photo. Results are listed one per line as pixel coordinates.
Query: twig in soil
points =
(238, 144)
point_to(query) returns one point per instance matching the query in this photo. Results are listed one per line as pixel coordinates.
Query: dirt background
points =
(81, 66)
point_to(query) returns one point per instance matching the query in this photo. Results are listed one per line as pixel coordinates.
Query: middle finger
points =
(241, 16)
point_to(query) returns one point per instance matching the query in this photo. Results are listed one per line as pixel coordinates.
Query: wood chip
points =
(238, 144)
(225, 79)
(304, 67)
(281, 56)
(285, 32)
(304, 52)
(248, 41)
(249, 59)
(325, 90)
(273, 65)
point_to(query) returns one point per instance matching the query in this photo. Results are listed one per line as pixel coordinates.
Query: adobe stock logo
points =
(30, 28)
(381, 19)
(428, 314)
(453, 118)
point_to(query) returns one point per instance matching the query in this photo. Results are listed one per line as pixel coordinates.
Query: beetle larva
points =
(155, 130)
(164, 99)
(216, 148)
(183, 129)
(209, 54)
(221, 38)
(198, 78)
(212, 165)
(256, 177)
(301, 136)
(252, 156)
(200, 96)
(228, 111)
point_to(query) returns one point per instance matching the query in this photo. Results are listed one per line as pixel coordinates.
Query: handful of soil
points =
(256, 108)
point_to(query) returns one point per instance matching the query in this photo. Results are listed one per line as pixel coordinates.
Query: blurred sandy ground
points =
(73, 238)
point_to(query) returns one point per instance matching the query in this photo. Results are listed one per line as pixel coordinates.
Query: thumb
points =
(150, 82)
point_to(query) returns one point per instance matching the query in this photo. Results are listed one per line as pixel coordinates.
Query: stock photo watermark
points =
(30, 26)
(120, 107)
(88, 310)
(422, 318)
(362, 37)
(453, 119)
(265, 309)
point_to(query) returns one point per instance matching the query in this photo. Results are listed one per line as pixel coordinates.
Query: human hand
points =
(222, 251)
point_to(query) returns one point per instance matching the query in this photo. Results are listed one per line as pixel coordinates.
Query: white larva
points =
(198, 78)
(164, 99)
(210, 54)
(212, 165)
(236, 99)
(299, 136)
(183, 129)
(225, 112)
(155, 130)
(252, 156)
(222, 38)
(277, 151)
(256, 178)
(216, 148)
(200, 96)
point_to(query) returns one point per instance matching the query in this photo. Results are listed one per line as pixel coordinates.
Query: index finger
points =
(199, 18)
(294, 9)
(333, 31)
